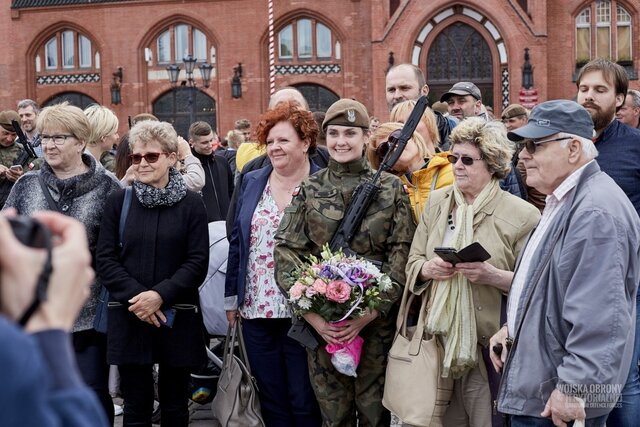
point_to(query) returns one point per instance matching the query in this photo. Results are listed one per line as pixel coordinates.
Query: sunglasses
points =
(530, 145)
(466, 160)
(149, 157)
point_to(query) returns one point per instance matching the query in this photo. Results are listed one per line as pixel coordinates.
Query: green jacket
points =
(314, 215)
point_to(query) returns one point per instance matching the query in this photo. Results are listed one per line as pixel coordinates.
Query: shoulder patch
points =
(296, 191)
(406, 189)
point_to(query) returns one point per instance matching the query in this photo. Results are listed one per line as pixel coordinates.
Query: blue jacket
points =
(251, 190)
(41, 384)
(619, 157)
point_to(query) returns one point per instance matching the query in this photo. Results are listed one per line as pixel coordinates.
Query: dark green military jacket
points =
(315, 212)
(108, 161)
(7, 157)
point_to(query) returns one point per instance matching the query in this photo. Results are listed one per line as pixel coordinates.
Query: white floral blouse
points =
(263, 299)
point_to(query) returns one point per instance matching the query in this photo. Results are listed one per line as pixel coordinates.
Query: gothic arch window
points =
(305, 40)
(460, 53)
(318, 97)
(67, 50)
(183, 106)
(78, 99)
(604, 29)
(176, 42)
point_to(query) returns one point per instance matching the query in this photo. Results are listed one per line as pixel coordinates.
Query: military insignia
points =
(296, 191)
(351, 116)
(406, 189)
(31, 166)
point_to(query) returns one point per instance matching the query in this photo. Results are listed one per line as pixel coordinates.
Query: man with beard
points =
(406, 82)
(602, 87)
(28, 111)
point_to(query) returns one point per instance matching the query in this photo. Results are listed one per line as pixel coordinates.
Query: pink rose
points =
(310, 292)
(320, 286)
(296, 291)
(338, 291)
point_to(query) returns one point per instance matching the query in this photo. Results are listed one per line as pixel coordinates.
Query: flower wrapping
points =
(338, 287)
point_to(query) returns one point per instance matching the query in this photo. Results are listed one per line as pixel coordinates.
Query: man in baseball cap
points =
(464, 100)
(552, 117)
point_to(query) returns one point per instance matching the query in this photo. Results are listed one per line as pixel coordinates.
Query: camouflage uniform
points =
(108, 161)
(385, 235)
(7, 157)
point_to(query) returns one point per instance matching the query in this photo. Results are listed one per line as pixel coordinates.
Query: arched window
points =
(318, 97)
(183, 106)
(78, 99)
(306, 40)
(178, 41)
(67, 50)
(603, 29)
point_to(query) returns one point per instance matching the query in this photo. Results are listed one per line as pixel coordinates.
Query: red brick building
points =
(332, 48)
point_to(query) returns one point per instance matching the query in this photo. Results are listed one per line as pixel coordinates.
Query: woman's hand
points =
(146, 305)
(436, 269)
(485, 273)
(232, 316)
(183, 148)
(352, 327)
(327, 331)
(130, 175)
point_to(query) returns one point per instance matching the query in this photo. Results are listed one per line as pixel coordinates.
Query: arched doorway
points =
(318, 97)
(74, 98)
(460, 53)
(183, 106)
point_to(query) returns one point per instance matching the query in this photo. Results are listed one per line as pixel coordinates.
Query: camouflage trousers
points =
(347, 401)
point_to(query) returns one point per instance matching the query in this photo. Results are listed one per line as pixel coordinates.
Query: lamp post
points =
(173, 71)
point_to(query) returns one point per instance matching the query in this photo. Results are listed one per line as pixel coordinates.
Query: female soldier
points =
(384, 236)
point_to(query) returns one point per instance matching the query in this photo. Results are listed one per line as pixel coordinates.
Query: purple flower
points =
(357, 274)
(326, 273)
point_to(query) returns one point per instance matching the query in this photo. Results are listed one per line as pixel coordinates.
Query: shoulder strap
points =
(124, 212)
(47, 194)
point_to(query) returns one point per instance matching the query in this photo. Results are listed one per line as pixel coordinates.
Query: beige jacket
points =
(502, 230)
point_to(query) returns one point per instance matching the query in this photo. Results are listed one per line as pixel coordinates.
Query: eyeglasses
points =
(531, 144)
(57, 139)
(149, 157)
(466, 160)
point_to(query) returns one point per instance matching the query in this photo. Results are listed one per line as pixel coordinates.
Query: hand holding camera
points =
(22, 259)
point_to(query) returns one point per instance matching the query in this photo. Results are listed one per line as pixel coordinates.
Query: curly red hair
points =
(301, 120)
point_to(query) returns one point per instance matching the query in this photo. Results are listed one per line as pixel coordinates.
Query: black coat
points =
(165, 249)
(218, 186)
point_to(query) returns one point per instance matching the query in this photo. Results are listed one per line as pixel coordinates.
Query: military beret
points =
(346, 112)
(513, 110)
(6, 117)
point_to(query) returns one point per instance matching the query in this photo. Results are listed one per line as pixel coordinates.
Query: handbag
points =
(414, 388)
(102, 309)
(236, 403)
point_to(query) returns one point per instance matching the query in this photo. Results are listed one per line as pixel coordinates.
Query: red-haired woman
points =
(278, 362)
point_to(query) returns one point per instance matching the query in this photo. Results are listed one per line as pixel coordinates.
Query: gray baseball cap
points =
(551, 117)
(462, 89)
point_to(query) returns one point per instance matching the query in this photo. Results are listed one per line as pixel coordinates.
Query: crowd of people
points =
(544, 332)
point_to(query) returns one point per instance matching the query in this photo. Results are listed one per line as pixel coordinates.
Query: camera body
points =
(29, 231)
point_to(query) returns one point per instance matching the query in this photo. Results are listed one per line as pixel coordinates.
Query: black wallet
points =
(472, 253)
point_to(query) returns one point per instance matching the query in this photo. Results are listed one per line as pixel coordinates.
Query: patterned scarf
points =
(151, 197)
(452, 316)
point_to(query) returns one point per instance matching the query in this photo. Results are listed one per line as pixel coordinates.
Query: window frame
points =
(295, 57)
(192, 32)
(67, 58)
(612, 25)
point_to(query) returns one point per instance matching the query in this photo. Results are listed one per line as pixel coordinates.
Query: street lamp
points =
(236, 84)
(173, 71)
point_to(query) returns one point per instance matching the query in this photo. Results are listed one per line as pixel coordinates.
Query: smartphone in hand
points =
(170, 314)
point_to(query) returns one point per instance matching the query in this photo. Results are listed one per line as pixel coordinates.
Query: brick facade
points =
(367, 31)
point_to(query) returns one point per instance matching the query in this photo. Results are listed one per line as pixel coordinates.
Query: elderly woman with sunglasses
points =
(466, 298)
(420, 167)
(75, 184)
(152, 269)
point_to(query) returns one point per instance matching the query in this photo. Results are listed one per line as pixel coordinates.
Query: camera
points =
(30, 232)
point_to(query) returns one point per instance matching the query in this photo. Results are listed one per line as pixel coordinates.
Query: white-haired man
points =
(571, 311)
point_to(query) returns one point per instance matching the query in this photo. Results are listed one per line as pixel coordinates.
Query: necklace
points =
(283, 185)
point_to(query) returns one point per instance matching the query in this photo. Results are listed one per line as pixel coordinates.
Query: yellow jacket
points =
(422, 181)
(247, 152)
(502, 229)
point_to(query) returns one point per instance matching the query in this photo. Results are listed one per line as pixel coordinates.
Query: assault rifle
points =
(28, 151)
(366, 192)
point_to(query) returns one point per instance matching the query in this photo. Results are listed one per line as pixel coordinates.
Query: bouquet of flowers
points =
(338, 287)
